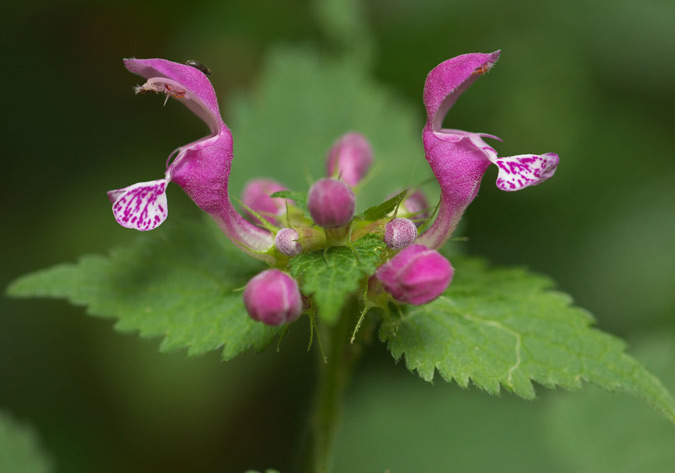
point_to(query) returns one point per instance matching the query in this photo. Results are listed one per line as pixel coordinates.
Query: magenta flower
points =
(331, 203)
(273, 297)
(416, 275)
(256, 196)
(458, 158)
(200, 168)
(350, 158)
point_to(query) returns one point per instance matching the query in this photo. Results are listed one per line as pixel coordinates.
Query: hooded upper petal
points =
(201, 168)
(447, 81)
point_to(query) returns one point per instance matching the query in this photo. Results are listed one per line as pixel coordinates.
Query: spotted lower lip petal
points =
(141, 206)
(518, 172)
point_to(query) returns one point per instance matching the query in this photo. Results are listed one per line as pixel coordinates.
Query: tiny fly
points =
(198, 65)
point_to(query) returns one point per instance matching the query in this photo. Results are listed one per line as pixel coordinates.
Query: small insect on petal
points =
(518, 172)
(141, 206)
(199, 66)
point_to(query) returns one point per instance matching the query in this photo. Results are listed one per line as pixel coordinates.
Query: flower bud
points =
(331, 203)
(349, 158)
(416, 275)
(286, 241)
(256, 196)
(273, 298)
(416, 206)
(399, 233)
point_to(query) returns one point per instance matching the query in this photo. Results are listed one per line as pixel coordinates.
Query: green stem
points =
(333, 376)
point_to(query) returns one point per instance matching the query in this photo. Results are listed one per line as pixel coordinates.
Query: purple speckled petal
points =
(202, 168)
(141, 206)
(446, 82)
(518, 172)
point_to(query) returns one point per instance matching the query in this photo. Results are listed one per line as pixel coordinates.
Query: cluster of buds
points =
(275, 230)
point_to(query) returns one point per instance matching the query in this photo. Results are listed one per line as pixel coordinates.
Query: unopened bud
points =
(256, 196)
(286, 241)
(331, 203)
(273, 298)
(349, 158)
(416, 275)
(399, 233)
(416, 206)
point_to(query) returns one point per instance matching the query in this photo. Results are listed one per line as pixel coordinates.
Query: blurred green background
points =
(591, 80)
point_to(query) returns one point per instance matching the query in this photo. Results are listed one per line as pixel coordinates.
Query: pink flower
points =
(256, 196)
(458, 158)
(416, 275)
(350, 158)
(272, 297)
(331, 203)
(200, 168)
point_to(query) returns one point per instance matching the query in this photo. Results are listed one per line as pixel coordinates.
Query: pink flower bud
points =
(399, 233)
(417, 206)
(273, 298)
(256, 196)
(349, 158)
(331, 203)
(416, 275)
(414, 206)
(286, 241)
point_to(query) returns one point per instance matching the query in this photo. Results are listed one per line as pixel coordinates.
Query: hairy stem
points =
(333, 375)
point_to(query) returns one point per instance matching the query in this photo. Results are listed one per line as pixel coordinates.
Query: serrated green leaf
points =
(506, 327)
(382, 210)
(20, 451)
(178, 282)
(331, 275)
(299, 199)
(625, 436)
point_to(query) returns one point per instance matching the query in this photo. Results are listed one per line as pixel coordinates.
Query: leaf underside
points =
(505, 327)
(331, 275)
(178, 283)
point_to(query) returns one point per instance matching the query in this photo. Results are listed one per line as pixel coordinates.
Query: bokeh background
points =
(591, 80)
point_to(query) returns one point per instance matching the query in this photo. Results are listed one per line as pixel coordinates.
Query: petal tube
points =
(458, 165)
(202, 168)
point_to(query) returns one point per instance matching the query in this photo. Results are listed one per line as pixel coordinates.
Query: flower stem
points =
(333, 376)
